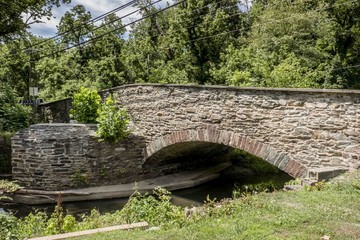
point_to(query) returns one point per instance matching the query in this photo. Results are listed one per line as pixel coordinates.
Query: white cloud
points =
(95, 7)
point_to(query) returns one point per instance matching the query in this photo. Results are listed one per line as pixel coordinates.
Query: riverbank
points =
(175, 181)
(325, 210)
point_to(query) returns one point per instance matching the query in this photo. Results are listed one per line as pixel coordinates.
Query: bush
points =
(85, 106)
(112, 122)
(155, 209)
(9, 226)
(5, 152)
(13, 116)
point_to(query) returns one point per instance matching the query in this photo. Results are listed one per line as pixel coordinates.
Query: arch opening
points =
(234, 169)
(170, 145)
(186, 156)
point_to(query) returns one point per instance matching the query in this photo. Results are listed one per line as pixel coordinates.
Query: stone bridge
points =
(294, 129)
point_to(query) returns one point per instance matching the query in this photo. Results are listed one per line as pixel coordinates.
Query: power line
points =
(85, 42)
(206, 6)
(91, 21)
(203, 38)
(256, 25)
(348, 67)
(195, 25)
(116, 29)
(118, 19)
(224, 33)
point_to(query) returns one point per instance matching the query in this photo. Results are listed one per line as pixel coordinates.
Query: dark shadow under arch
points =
(281, 160)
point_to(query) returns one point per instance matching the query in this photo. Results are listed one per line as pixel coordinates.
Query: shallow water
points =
(217, 189)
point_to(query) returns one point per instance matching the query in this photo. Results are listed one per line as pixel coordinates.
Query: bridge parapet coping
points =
(234, 88)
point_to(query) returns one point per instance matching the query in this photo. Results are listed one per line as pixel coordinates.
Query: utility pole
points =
(32, 90)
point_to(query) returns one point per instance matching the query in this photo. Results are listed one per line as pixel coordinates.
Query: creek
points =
(218, 189)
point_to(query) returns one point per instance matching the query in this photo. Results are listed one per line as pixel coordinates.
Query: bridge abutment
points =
(67, 156)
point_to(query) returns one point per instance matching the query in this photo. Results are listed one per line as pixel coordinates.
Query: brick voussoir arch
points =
(210, 134)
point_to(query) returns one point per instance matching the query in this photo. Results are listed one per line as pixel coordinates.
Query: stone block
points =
(324, 173)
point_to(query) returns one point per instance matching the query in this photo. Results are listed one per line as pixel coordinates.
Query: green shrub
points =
(9, 226)
(85, 106)
(112, 122)
(155, 209)
(13, 116)
(33, 225)
(5, 152)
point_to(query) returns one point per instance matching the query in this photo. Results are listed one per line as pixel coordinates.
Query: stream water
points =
(219, 188)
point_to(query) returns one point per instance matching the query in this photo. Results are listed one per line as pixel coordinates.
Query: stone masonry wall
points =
(294, 129)
(55, 112)
(315, 128)
(65, 156)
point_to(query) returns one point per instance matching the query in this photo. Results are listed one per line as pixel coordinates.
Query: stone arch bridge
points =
(294, 129)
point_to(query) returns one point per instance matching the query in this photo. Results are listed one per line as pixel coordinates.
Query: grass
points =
(334, 210)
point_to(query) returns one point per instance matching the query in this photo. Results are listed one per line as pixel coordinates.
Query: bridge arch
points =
(281, 160)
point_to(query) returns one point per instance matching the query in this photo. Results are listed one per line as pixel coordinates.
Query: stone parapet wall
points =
(55, 112)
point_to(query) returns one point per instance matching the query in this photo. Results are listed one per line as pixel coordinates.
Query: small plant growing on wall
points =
(79, 179)
(85, 106)
(112, 122)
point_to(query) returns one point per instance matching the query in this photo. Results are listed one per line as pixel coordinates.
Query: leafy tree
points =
(105, 67)
(13, 116)
(182, 43)
(286, 47)
(75, 27)
(209, 26)
(346, 45)
(12, 20)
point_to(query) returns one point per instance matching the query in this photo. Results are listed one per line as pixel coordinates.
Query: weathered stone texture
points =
(316, 128)
(295, 130)
(64, 156)
(55, 112)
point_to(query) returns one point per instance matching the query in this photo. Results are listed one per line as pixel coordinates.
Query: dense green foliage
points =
(112, 122)
(5, 152)
(85, 106)
(156, 209)
(16, 16)
(13, 117)
(270, 43)
(326, 209)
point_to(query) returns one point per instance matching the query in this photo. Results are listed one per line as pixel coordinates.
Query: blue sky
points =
(95, 7)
